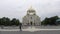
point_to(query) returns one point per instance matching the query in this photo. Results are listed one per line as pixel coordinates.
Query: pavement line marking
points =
(28, 29)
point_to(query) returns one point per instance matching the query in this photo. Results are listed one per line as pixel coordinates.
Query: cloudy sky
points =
(18, 8)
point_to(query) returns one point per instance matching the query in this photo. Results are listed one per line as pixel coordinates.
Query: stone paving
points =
(26, 32)
(32, 30)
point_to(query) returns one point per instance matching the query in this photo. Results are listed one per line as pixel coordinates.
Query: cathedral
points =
(31, 19)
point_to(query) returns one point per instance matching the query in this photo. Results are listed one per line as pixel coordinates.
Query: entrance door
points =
(31, 23)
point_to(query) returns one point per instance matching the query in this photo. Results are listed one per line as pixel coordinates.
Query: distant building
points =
(31, 18)
(58, 22)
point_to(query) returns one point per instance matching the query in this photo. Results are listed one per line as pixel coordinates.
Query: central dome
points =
(31, 10)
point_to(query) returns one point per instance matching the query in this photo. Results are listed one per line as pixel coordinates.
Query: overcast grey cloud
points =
(18, 8)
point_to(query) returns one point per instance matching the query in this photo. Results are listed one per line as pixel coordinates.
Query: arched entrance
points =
(31, 23)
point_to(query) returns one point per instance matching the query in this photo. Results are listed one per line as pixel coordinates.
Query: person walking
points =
(20, 26)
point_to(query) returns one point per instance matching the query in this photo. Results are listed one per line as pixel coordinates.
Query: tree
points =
(50, 21)
(53, 20)
(45, 21)
(5, 21)
(15, 21)
(0, 21)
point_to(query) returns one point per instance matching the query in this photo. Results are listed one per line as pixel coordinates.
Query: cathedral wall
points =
(35, 20)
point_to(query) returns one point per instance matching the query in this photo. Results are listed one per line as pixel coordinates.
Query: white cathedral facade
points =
(31, 19)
